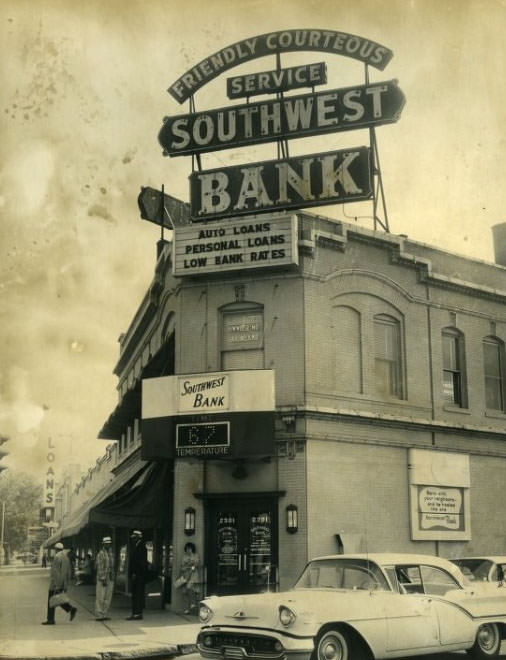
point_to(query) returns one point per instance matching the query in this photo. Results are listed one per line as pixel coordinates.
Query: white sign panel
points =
(196, 393)
(252, 242)
(440, 507)
(440, 498)
(222, 391)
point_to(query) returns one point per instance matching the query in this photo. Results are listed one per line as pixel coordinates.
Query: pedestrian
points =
(44, 560)
(104, 565)
(59, 578)
(72, 559)
(190, 573)
(137, 570)
(85, 572)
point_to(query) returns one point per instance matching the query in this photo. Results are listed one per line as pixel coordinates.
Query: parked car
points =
(26, 558)
(346, 607)
(483, 569)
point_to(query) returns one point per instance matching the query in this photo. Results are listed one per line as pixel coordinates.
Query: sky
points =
(83, 95)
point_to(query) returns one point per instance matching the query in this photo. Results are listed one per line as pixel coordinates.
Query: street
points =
(23, 599)
(23, 603)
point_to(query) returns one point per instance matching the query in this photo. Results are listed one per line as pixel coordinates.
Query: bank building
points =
(292, 385)
(350, 400)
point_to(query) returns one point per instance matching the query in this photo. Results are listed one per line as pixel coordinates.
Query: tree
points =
(22, 495)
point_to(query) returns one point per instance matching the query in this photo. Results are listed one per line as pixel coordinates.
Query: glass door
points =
(228, 560)
(241, 548)
(259, 550)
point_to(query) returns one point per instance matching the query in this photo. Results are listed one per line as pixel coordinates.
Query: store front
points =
(241, 544)
(236, 531)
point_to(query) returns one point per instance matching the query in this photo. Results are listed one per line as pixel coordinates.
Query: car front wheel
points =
(333, 645)
(487, 643)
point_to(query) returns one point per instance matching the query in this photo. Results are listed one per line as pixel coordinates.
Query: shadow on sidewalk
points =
(154, 615)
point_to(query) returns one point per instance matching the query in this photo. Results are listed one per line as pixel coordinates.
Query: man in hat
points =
(59, 578)
(137, 571)
(104, 565)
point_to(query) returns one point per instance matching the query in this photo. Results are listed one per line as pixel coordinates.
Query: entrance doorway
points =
(241, 545)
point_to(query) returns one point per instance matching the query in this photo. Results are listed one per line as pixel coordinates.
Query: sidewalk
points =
(161, 633)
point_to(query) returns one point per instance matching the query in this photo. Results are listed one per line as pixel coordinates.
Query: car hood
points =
(310, 606)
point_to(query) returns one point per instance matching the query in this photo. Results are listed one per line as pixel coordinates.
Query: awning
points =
(144, 505)
(122, 415)
(81, 517)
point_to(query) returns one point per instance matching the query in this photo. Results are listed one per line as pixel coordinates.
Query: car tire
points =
(487, 643)
(333, 645)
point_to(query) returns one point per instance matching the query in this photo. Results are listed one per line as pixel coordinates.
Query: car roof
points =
(391, 558)
(388, 558)
(497, 559)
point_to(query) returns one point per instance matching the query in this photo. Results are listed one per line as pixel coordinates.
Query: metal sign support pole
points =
(378, 190)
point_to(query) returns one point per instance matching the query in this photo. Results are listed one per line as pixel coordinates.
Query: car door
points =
(411, 616)
(455, 624)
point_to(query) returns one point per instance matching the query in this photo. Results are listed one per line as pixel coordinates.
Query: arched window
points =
(387, 356)
(348, 348)
(454, 381)
(493, 369)
(242, 336)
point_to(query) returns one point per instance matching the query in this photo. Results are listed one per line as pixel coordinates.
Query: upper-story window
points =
(387, 356)
(454, 386)
(493, 367)
(242, 337)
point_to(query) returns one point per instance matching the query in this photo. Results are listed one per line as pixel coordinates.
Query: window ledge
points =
(457, 409)
(496, 414)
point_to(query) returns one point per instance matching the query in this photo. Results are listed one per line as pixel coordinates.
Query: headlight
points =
(286, 616)
(205, 613)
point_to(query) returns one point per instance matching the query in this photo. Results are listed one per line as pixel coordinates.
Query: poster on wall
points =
(439, 491)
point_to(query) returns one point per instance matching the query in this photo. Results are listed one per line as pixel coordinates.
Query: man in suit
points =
(104, 565)
(59, 578)
(137, 572)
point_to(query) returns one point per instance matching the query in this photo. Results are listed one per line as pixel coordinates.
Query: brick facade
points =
(342, 445)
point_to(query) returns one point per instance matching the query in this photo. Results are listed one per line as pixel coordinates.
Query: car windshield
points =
(342, 574)
(474, 569)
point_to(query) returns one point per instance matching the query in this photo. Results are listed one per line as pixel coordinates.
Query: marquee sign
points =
(329, 41)
(304, 115)
(252, 243)
(288, 182)
(317, 179)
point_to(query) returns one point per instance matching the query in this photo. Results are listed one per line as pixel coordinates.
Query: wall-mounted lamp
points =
(292, 519)
(189, 521)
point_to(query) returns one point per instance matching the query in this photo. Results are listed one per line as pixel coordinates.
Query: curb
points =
(162, 653)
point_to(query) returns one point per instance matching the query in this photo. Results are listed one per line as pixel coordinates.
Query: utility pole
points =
(2, 553)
